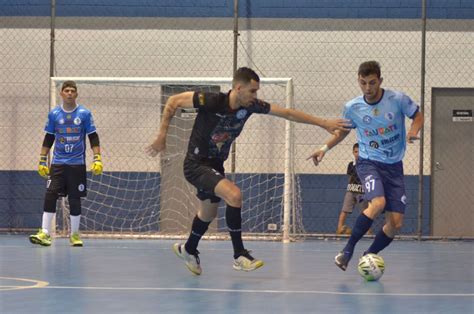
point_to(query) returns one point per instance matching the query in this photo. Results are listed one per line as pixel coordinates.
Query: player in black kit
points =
(219, 121)
(354, 194)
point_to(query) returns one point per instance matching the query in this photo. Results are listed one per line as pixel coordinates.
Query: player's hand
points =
(333, 125)
(317, 157)
(411, 137)
(43, 169)
(97, 165)
(157, 146)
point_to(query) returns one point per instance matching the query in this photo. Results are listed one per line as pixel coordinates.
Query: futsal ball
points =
(371, 267)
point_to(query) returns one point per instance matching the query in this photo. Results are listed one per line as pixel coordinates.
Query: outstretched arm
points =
(182, 100)
(299, 116)
(318, 155)
(416, 126)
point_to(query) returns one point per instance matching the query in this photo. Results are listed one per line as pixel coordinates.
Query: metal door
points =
(452, 162)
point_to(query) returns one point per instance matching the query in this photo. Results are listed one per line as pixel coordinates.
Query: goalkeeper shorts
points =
(68, 180)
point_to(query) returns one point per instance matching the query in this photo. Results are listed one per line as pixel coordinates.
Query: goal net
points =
(141, 196)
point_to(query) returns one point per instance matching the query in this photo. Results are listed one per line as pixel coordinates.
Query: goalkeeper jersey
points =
(217, 125)
(70, 129)
(381, 126)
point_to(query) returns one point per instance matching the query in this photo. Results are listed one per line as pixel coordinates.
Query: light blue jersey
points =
(70, 130)
(381, 126)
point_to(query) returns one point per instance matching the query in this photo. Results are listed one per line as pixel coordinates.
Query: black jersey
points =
(354, 184)
(216, 125)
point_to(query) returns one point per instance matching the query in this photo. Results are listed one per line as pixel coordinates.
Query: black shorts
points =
(68, 180)
(204, 174)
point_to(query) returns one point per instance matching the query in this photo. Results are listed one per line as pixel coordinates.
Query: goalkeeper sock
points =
(75, 222)
(197, 231)
(46, 222)
(234, 223)
(381, 241)
(361, 226)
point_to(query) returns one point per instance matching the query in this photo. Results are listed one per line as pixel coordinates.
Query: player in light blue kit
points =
(67, 127)
(379, 119)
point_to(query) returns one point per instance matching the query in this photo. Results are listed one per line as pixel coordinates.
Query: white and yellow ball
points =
(371, 267)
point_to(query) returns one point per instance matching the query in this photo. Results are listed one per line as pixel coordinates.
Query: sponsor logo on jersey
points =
(219, 139)
(390, 140)
(389, 116)
(72, 139)
(241, 114)
(81, 187)
(77, 121)
(376, 112)
(196, 151)
(69, 130)
(356, 188)
(61, 121)
(367, 119)
(201, 99)
(69, 117)
(374, 144)
(380, 131)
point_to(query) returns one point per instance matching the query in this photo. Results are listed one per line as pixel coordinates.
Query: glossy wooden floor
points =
(144, 276)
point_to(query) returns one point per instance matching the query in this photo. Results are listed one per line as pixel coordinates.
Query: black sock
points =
(381, 241)
(361, 226)
(234, 223)
(198, 229)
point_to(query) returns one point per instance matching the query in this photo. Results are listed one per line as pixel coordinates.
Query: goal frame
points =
(288, 189)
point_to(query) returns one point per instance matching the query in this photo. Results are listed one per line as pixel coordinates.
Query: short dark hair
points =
(69, 84)
(245, 75)
(369, 67)
(356, 145)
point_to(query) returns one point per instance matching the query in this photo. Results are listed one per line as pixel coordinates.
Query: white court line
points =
(36, 284)
(265, 291)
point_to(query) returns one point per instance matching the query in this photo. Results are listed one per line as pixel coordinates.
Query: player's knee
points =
(74, 206)
(378, 203)
(396, 225)
(234, 197)
(207, 215)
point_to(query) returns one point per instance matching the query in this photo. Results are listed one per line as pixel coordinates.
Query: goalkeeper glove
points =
(97, 165)
(43, 169)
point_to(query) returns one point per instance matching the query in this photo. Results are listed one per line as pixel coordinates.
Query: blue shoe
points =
(342, 259)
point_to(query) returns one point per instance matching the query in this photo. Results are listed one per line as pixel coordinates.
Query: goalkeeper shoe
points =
(75, 240)
(342, 259)
(246, 262)
(191, 260)
(41, 238)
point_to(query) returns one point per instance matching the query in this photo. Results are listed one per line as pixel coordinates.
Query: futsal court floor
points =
(145, 276)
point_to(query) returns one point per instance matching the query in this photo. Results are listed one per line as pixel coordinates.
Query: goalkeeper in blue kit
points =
(66, 128)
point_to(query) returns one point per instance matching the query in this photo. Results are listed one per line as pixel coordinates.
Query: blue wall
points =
(339, 9)
(22, 192)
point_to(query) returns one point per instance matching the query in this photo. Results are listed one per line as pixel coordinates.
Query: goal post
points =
(140, 196)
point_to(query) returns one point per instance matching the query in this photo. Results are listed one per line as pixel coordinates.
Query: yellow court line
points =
(37, 284)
